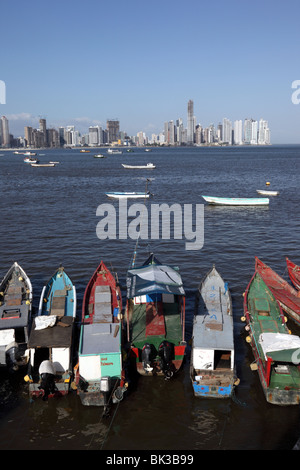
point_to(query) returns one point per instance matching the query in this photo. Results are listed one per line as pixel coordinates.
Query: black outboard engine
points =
(147, 356)
(165, 354)
(12, 357)
(47, 373)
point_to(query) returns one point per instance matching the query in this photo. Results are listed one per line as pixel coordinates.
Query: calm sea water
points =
(48, 217)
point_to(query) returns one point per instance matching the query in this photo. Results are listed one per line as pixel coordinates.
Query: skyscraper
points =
(238, 132)
(190, 123)
(43, 130)
(5, 132)
(113, 129)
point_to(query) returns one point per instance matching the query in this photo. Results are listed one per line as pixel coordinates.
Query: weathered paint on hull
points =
(210, 391)
(93, 396)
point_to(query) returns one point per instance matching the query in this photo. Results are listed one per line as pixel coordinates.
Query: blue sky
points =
(80, 63)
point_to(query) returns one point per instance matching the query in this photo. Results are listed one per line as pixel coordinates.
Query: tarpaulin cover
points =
(153, 277)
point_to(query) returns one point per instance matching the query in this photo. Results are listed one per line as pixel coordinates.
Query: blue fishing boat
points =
(51, 338)
(237, 201)
(212, 367)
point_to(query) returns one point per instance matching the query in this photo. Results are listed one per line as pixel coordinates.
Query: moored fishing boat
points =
(149, 166)
(15, 317)
(265, 192)
(100, 373)
(212, 366)
(155, 313)
(41, 165)
(294, 272)
(128, 194)
(236, 201)
(114, 151)
(285, 294)
(276, 352)
(51, 339)
(31, 160)
(99, 155)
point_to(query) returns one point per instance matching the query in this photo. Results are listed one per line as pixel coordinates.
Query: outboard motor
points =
(12, 357)
(47, 373)
(165, 354)
(147, 357)
(105, 388)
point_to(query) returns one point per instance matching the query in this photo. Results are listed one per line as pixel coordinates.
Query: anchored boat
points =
(100, 372)
(15, 317)
(129, 195)
(149, 166)
(156, 318)
(285, 294)
(212, 366)
(236, 201)
(51, 339)
(265, 192)
(276, 352)
(294, 273)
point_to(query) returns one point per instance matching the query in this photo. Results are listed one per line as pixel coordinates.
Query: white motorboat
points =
(265, 192)
(123, 195)
(236, 201)
(149, 166)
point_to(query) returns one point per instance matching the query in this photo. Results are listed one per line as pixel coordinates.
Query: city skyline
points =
(142, 64)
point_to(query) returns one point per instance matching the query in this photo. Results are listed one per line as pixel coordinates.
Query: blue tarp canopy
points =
(153, 277)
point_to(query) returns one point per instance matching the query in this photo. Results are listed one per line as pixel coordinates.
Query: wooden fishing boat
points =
(31, 160)
(51, 339)
(149, 166)
(15, 317)
(294, 273)
(285, 294)
(276, 352)
(265, 192)
(212, 366)
(236, 201)
(41, 165)
(130, 195)
(156, 318)
(100, 372)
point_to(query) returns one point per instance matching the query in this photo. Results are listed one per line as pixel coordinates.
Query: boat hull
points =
(100, 377)
(236, 201)
(284, 293)
(15, 317)
(212, 366)
(277, 368)
(294, 273)
(127, 195)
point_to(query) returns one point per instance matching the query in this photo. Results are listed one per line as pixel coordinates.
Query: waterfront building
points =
(113, 129)
(43, 130)
(5, 137)
(190, 123)
(227, 131)
(238, 132)
(263, 133)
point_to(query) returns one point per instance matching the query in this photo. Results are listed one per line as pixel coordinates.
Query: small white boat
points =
(149, 166)
(99, 155)
(148, 150)
(31, 160)
(29, 154)
(42, 164)
(237, 201)
(265, 192)
(123, 195)
(114, 151)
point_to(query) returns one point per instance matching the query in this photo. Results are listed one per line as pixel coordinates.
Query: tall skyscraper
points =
(43, 130)
(113, 129)
(5, 132)
(238, 132)
(190, 122)
(227, 131)
(263, 133)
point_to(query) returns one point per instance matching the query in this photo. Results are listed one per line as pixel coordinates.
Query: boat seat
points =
(60, 292)
(102, 306)
(58, 306)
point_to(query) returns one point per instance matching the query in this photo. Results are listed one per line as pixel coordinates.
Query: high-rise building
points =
(5, 132)
(190, 123)
(227, 131)
(238, 132)
(263, 133)
(113, 129)
(43, 130)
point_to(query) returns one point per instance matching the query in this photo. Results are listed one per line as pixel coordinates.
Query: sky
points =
(81, 63)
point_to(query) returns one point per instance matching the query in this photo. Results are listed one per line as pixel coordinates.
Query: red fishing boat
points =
(294, 273)
(284, 293)
(99, 374)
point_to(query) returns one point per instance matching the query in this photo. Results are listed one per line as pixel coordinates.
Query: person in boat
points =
(47, 374)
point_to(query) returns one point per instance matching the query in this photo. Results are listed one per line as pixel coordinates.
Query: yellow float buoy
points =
(267, 183)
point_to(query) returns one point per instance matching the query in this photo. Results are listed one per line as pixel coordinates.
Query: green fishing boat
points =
(156, 318)
(276, 351)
